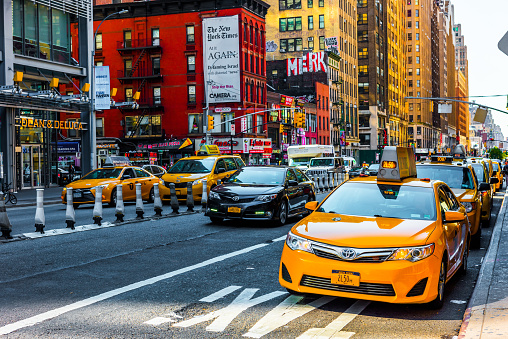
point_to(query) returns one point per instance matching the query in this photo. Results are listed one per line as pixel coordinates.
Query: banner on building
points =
(342, 138)
(102, 99)
(221, 60)
(311, 62)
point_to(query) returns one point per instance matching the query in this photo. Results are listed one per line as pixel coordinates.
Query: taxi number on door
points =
(234, 209)
(345, 278)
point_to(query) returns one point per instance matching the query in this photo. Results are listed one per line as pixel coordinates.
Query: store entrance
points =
(31, 166)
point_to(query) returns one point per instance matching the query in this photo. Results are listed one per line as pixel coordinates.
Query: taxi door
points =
(220, 171)
(145, 179)
(294, 193)
(452, 230)
(231, 166)
(128, 184)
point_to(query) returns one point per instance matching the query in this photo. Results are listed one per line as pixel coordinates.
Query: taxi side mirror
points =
(494, 173)
(311, 205)
(292, 183)
(494, 180)
(484, 186)
(451, 216)
(126, 176)
(220, 170)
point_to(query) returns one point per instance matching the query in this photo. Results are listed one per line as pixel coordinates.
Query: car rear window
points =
(454, 177)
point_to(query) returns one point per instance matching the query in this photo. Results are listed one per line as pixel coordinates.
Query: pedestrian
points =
(505, 170)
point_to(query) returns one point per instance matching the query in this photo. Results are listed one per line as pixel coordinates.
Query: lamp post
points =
(91, 124)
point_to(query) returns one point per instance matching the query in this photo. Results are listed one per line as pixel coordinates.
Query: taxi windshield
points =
(193, 166)
(382, 200)
(103, 173)
(321, 162)
(455, 177)
(480, 172)
(258, 176)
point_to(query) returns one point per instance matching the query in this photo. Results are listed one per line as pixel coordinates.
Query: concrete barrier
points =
(120, 208)
(325, 181)
(174, 199)
(190, 198)
(97, 208)
(331, 183)
(70, 214)
(321, 183)
(40, 218)
(316, 183)
(157, 202)
(5, 224)
(139, 202)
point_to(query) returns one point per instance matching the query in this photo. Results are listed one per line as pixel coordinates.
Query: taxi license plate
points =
(345, 278)
(234, 209)
(77, 195)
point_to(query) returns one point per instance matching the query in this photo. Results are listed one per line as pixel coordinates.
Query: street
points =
(184, 277)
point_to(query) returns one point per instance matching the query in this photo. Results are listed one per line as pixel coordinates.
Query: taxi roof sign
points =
(397, 163)
(116, 160)
(441, 158)
(209, 150)
(459, 152)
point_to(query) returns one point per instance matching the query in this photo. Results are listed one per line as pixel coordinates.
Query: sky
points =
(484, 23)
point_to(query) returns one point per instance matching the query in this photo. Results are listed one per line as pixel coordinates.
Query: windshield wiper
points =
(384, 216)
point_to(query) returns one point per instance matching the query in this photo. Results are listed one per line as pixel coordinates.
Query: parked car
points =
(158, 171)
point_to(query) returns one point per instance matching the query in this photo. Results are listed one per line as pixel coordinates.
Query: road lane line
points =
(103, 296)
(333, 330)
(220, 294)
(285, 312)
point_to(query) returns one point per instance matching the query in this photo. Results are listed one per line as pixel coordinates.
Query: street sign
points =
(222, 109)
(503, 44)
(243, 124)
(233, 128)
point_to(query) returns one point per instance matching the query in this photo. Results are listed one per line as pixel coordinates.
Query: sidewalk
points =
(487, 313)
(28, 197)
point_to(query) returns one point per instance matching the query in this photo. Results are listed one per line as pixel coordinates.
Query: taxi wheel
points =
(463, 267)
(438, 302)
(283, 213)
(151, 196)
(112, 201)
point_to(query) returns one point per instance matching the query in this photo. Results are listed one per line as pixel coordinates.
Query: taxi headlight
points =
(469, 206)
(214, 195)
(266, 197)
(297, 243)
(413, 253)
(103, 186)
(196, 182)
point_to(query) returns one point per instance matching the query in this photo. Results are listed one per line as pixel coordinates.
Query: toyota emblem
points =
(347, 254)
(235, 198)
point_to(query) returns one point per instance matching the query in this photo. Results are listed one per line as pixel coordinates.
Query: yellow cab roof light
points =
(209, 150)
(397, 163)
(116, 160)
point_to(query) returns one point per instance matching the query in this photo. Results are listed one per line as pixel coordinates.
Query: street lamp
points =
(92, 130)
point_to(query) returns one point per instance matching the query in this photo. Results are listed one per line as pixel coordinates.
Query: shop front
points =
(253, 151)
(165, 153)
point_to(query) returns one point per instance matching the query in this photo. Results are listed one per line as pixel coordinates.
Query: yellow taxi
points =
(108, 177)
(497, 171)
(209, 164)
(396, 238)
(460, 177)
(485, 185)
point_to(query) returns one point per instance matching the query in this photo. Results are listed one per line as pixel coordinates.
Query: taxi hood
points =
(364, 232)
(184, 177)
(463, 194)
(89, 183)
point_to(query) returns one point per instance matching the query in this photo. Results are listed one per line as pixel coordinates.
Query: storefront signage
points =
(165, 145)
(286, 101)
(221, 46)
(222, 109)
(53, 124)
(102, 88)
(68, 147)
(107, 146)
(311, 62)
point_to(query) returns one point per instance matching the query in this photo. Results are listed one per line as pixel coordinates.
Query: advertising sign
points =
(243, 124)
(101, 88)
(311, 62)
(222, 59)
(342, 137)
(286, 100)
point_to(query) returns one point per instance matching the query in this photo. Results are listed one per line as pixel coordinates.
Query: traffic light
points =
(210, 122)
(281, 128)
(304, 121)
(298, 120)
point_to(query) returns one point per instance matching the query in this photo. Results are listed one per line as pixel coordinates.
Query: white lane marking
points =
(92, 300)
(172, 318)
(59, 231)
(285, 312)
(280, 239)
(225, 316)
(333, 330)
(220, 294)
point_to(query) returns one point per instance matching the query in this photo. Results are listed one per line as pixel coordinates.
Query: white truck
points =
(325, 165)
(300, 156)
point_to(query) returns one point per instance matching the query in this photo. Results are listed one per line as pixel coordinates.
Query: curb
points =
(473, 321)
(89, 227)
(28, 204)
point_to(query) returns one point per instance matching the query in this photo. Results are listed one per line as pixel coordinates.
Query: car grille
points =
(229, 199)
(332, 256)
(375, 255)
(364, 288)
(315, 172)
(177, 184)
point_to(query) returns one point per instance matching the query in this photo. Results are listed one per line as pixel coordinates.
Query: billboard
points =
(221, 48)
(101, 88)
(311, 62)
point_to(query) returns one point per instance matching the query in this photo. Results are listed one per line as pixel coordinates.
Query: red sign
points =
(286, 101)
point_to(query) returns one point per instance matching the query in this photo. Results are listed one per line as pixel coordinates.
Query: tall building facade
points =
(296, 28)
(461, 85)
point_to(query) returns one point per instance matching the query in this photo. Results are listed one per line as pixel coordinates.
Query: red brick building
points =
(156, 49)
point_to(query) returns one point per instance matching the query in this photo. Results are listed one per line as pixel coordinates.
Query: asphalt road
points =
(183, 277)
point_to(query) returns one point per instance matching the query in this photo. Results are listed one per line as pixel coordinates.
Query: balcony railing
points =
(146, 73)
(139, 44)
(148, 103)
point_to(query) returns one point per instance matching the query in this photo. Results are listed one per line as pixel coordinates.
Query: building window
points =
(143, 126)
(362, 19)
(321, 42)
(291, 45)
(410, 72)
(408, 13)
(363, 70)
(363, 36)
(156, 66)
(417, 83)
(191, 94)
(417, 24)
(363, 87)
(321, 21)
(190, 34)
(362, 3)
(417, 48)
(417, 71)
(128, 94)
(127, 66)
(409, 36)
(417, 59)
(127, 39)
(155, 37)
(290, 24)
(310, 3)
(259, 123)
(157, 96)
(99, 63)
(73, 133)
(195, 123)
(311, 44)
(191, 63)
(417, 13)
(290, 4)
(310, 22)
(98, 41)
(321, 3)
(409, 24)
(99, 125)
(417, 36)
(363, 53)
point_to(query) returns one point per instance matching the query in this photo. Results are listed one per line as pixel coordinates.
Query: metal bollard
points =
(5, 224)
(157, 202)
(139, 202)
(40, 219)
(174, 199)
(204, 196)
(70, 214)
(97, 208)
(330, 180)
(190, 198)
(321, 186)
(120, 208)
(316, 183)
(325, 176)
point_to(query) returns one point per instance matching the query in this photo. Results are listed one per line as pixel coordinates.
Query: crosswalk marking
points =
(220, 294)
(333, 330)
(285, 312)
(224, 316)
(172, 317)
